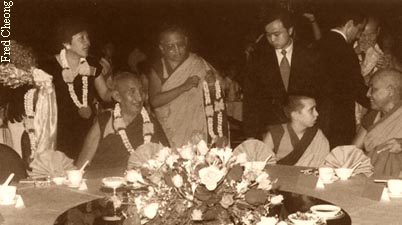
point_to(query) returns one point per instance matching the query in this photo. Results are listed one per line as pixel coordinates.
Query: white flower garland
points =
(70, 84)
(210, 109)
(120, 126)
(29, 120)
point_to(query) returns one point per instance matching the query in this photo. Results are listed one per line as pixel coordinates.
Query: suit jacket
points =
(343, 86)
(264, 91)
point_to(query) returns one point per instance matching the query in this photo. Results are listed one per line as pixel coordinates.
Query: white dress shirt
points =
(289, 51)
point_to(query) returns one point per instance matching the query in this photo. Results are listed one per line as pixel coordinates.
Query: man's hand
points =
(393, 145)
(310, 17)
(191, 82)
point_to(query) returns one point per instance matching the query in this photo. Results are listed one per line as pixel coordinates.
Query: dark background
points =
(219, 30)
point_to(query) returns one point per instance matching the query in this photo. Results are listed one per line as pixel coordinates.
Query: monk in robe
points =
(381, 132)
(184, 92)
(299, 142)
(118, 132)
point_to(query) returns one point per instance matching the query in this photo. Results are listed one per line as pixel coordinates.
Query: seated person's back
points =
(299, 142)
(119, 132)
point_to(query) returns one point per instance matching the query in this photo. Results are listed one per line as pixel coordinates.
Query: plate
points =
(113, 182)
(12, 202)
(69, 184)
(333, 179)
(111, 218)
(392, 195)
(325, 210)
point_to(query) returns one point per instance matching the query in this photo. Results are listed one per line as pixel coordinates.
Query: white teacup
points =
(7, 193)
(74, 177)
(326, 174)
(395, 186)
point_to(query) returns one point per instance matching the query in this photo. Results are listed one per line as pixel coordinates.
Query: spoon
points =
(268, 158)
(83, 166)
(355, 166)
(7, 182)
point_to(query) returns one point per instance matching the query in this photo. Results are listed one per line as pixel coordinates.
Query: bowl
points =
(325, 211)
(344, 173)
(113, 182)
(59, 180)
(303, 218)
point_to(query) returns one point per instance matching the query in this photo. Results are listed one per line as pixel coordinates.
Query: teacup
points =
(326, 174)
(7, 193)
(74, 177)
(395, 186)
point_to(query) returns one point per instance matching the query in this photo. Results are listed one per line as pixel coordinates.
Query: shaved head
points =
(390, 77)
(385, 90)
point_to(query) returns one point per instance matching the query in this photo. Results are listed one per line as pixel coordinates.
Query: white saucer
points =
(69, 184)
(392, 195)
(333, 179)
(111, 218)
(12, 202)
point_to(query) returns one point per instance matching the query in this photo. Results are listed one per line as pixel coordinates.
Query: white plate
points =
(392, 195)
(333, 179)
(111, 182)
(12, 202)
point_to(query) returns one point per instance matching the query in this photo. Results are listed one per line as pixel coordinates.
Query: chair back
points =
(11, 162)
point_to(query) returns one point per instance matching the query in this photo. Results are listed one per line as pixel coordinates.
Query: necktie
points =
(285, 69)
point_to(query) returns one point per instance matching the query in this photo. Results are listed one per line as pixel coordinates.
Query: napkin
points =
(19, 203)
(256, 151)
(143, 153)
(83, 186)
(50, 163)
(384, 195)
(347, 156)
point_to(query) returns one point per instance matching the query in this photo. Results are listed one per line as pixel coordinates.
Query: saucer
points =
(12, 202)
(69, 184)
(392, 195)
(333, 179)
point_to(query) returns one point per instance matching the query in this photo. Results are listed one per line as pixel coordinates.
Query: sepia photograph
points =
(201, 112)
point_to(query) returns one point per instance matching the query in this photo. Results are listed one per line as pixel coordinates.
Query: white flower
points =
(241, 158)
(202, 148)
(196, 215)
(210, 176)
(277, 199)
(172, 159)
(177, 180)
(151, 210)
(267, 221)
(186, 152)
(223, 154)
(242, 187)
(134, 176)
(163, 154)
(263, 181)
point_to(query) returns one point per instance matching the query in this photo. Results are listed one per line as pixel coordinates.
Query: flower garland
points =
(120, 126)
(68, 77)
(210, 109)
(29, 120)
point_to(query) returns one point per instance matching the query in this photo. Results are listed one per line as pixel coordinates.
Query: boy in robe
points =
(299, 142)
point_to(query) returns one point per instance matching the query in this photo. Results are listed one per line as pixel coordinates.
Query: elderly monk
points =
(299, 142)
(381, 132)
(182, 90)
(116, 134)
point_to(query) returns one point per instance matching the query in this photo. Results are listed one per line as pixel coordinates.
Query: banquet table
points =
(358, 196)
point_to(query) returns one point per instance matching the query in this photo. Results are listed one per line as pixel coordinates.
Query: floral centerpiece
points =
(198, 185)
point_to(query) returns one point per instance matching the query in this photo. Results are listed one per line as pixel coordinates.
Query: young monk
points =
(116, 134)
(299, 142)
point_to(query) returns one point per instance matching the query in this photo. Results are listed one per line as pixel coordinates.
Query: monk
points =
(184, 92)
(116, 134)
(299, 142)
(381, 132)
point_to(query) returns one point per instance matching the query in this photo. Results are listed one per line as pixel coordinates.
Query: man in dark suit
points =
(342, 84)
(279, 66)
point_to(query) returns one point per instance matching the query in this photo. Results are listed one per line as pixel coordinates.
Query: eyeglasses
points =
(174, 46)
